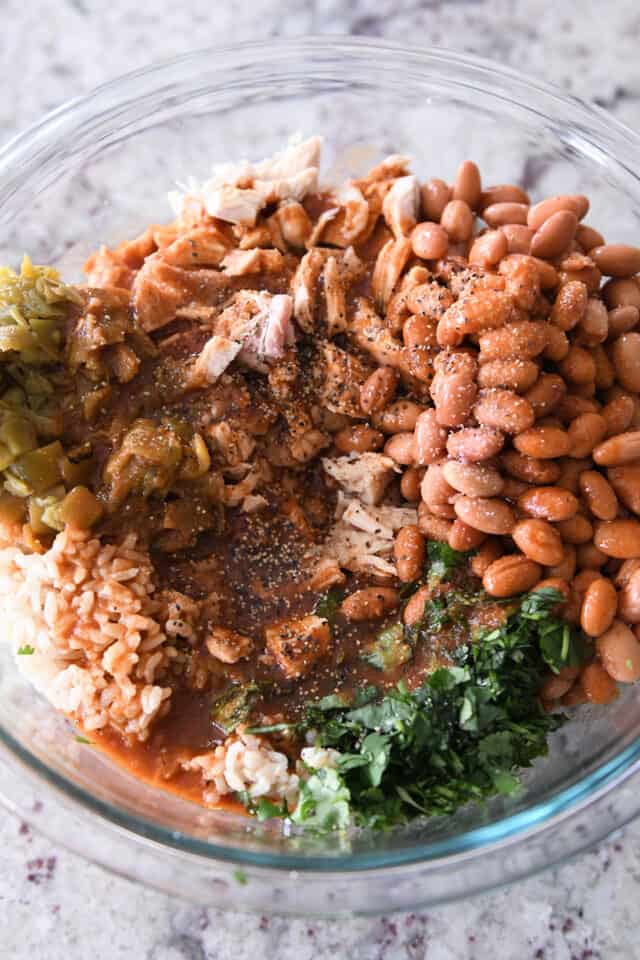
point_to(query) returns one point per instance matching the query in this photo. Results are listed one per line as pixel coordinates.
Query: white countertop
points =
(55, 906)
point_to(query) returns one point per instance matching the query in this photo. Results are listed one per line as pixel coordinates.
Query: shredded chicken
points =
(361, 540)
(363, 475)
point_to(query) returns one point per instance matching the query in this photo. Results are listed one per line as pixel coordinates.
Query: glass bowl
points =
(98, 170)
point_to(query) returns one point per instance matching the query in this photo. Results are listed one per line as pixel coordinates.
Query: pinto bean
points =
(503, 410)
(414, 610)
(409, 552)
(567, 566)
(625, 354)
(585, 433)
(622, 293)
(618, 451)
(518, 375)
(546, 393)
(489, 515)
(599, 495)
(503, 214)
(467, 185)
(511, 575)
(539, 541)
(410, 484)
(629, 599)
(599, 607)
(524, 339)
(472, 479)
(371, 603)
(530, 469)
(454, 389)
(543, 211)
(619, 652)
(429, 241)
(400, 416)
(489, 551)
(570, 471)
(618, 538)
(549, 503)
(489, 249)
(616, 259)
(605, 373)
(589, 557)
(457, 219)
(518, 238)
(622, 320)
(437, 493)
(554, 687)
(463, 537)
(618, 414)
(475, 444)
(430, 439)
(502, 193)
(570, 305)
(358, 439)
(626, 483)
(576, 529)
(598, 686)
(578, 366)
(431, 526)
(435, 196)
(593, 326)
(543, 443)
(588, 238)
(555, 235)
(558, 345)
(401, 448)
(572, 405)
(378, 389)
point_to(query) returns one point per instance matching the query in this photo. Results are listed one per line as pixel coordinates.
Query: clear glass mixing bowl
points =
(98, 170)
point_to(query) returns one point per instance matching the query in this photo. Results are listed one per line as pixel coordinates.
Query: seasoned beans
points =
(625, 355)
(463, 537)
(370, 603)
(599, 607)
(616, 259)
(474, 480)
(457, 220)
(518, 375)
(409, 551)
(429, 241)
(543, 443)
(618, 451)
(358, 439)
(554, 236)
(549, 503)
(578, 205)
(619, 652)
(539, 541)
(397, 417)
(430, 439)
(488, 515)
(618, 538)
(377, 391)
(585, 432)
(598, 686)
(475, 443)
(598, 494)
(511, 575)
(504, 410)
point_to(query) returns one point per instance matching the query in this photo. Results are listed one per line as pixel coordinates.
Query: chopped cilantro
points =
(262, 809)
(80, 739)
(240, 876)
(442, 559)
(26, 650)
(462, 736)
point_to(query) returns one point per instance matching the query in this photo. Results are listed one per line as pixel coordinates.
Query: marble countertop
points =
(53, 905)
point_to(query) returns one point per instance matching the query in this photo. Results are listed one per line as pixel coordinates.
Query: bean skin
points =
(475, 444)
(462, 537)
(626, 483)
(585, 433)
(619, 652)
(474, 480)
(435, 196)
(555, 235)
(618, 451)
(616, 259)
(530, 469)
(457, 220)
(598, 686)
(430, 438)
(511, 575)
(598, 495)
(539, 541)
(541, 212)
(370, 603)
(549, 503)
(576, 530)
(358, 439)
(599, 607)
(490, 550)
(429, 241)
(625, 355)
(410, 484)
(543, 443)
(377, 391)
(467, 185)
(409, 551)
(504, 410)
(488, 515)
(397, 417)
(546, 393)
(618, 538)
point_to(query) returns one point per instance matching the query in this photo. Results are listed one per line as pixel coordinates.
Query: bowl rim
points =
(592, 121)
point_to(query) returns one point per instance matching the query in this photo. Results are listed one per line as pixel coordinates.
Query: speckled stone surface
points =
(53, 905)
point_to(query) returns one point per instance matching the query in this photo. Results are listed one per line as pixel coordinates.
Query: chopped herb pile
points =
(462, 736)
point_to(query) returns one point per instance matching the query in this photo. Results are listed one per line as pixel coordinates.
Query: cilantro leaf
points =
(323, 803)
(442, 559)
(26, 650)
